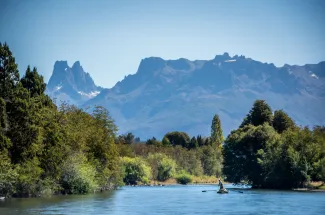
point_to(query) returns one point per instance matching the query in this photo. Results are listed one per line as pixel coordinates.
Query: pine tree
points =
(216, 131)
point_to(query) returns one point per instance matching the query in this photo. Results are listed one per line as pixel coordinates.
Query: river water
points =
(174, 199)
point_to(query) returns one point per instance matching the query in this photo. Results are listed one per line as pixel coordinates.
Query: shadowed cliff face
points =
(71, 84)
(183, 95)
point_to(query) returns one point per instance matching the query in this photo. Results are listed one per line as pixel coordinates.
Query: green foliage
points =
(44, 149)
(184, 178)
(154, 142)
(78, 175)
(9, 75)
(135, 171)
(241, 153)
(281, 157)
(211, 160)
(3, 120)
(216, 131)
(177, 138)
(162, 166)
(260, 113)
(29, 177)
(282, 122)
(33, 82)
(193, 143)
(322, 169)
(8, 176)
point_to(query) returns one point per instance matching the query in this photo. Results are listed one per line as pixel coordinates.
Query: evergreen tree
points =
(193, 143)
(260, 113)
(178, 138)
(216, 131)
(282, 121)
(33, 82)
(9, 75)
(200, 140)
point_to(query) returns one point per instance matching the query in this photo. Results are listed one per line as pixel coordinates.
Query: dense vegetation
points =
(45, 149)
(270, 151)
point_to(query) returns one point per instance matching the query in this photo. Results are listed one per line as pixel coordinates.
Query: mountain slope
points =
(167, 95)
(71, 84)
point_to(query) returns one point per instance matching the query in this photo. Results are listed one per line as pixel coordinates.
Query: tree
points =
(200, 140)
(193, 143)
(242, 153)
(216, 131)
(162, 166)
(33, 82)
(178, 138)
(260, 113)
(282, 122)
(9, 75)
(3, 121)
(211, 160)
(129, 138)
(103, 117)
(153, 141)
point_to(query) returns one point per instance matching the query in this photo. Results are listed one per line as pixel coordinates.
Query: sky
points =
(110, 38)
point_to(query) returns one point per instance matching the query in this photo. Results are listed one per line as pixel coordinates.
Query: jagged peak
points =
(223, 57)
(59, 65)
(76, 64)
(150, 64)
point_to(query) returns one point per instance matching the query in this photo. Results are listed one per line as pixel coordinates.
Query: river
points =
(174, 199)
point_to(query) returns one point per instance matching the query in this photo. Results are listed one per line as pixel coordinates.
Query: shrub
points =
(162, 166)
(8, 176)
(135, 170)
(78, 176)
(184, 178)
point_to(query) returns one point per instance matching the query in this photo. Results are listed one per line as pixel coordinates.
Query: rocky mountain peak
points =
(71, 83)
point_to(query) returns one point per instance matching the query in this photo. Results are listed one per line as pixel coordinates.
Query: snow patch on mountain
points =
(89, 95)
(314, 76)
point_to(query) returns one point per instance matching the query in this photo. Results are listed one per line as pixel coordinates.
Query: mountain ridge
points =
(166, 95)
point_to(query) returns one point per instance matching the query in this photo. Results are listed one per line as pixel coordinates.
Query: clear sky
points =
(110, 38)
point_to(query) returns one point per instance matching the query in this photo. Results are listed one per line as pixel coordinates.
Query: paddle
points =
(216, 190)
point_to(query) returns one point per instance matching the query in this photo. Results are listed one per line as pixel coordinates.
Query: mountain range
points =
(183, 95)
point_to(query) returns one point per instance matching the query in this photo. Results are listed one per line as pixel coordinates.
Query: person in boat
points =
(220, 184)
(222, 189)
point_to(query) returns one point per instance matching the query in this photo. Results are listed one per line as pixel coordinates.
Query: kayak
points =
(223, 191)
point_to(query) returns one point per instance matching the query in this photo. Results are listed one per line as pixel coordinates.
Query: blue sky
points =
(110, 38)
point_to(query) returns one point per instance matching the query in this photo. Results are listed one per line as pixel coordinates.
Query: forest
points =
(47, 149)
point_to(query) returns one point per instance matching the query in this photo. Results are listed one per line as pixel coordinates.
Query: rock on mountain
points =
(183, 95)
(71, 84)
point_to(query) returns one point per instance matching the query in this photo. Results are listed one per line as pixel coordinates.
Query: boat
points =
(222, 191)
